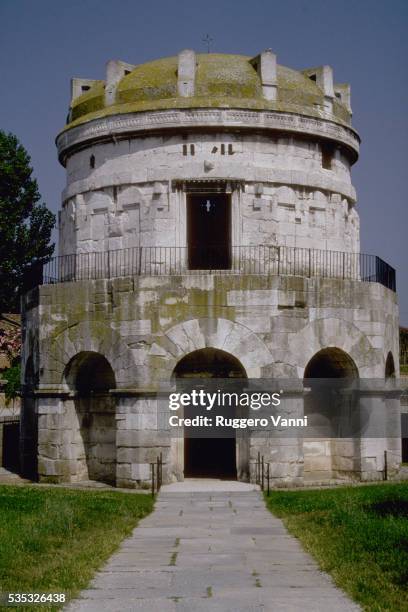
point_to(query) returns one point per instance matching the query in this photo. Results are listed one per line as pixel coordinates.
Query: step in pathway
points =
(218, 550)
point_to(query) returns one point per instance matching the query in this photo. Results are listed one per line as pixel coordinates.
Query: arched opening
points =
(209, 363)
(329, 406)
(212, 456)
(90, 376)
(389, 366)
(29, 422)
(331, 363)
(88, 373)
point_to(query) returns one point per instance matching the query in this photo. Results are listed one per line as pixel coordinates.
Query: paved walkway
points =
(211, 550)
(11, 478)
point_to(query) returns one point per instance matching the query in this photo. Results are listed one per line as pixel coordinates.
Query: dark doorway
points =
(389, 366)
(404, 437)
(11, 440)
(209, 231)
(210, 457)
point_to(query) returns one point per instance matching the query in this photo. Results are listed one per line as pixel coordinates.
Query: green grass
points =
(404, 368)
(55, 539)
(357, 534)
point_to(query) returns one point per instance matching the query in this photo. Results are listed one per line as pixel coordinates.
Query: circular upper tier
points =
(221, 82)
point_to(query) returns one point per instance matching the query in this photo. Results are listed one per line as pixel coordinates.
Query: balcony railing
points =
(170, 261)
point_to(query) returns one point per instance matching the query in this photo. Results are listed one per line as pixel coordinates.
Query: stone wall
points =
(129, 199)
(143, 326)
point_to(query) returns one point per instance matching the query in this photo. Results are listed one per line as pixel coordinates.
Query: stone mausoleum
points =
(208, 227)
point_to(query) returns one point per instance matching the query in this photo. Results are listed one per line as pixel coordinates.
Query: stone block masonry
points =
(272, 325)
(238, 171)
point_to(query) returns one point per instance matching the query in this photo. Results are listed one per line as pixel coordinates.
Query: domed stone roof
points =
(221, 81)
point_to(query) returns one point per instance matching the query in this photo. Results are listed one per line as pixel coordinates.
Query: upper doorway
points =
(209, 231)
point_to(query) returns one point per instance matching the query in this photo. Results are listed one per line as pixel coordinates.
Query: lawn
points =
(54, 539)
(357, 534)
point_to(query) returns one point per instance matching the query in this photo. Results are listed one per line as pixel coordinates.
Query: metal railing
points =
(156, 471)
(262, 473)
(170, 261)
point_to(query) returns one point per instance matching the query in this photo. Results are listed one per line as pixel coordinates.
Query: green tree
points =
(25, 223)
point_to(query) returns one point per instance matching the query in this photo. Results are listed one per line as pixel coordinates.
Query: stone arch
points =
(222, 334)
(89, 372)
(94, 337)
(329, 408)
(213, 363)
(336, 333)
(285, 194)
(331, 362)
(91, 416)
(209, 454)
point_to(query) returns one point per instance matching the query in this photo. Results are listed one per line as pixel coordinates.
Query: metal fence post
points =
(267, 476)
(152, 465)
(385, 465)
(159, 472)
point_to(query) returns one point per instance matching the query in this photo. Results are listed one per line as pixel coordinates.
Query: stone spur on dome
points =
(209, 229)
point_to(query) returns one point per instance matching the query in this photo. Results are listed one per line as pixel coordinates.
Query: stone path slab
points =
(11, 478)
(211, 550)
(201, 485)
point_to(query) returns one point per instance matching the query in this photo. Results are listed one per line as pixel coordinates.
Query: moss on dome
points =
(90, 101)
(229, 76)
(152, 81)
(295, 88)
(221, 81)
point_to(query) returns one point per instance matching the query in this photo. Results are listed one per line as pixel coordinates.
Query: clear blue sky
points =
(45, 42)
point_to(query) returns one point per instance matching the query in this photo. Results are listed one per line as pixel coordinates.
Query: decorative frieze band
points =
(139, 122)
